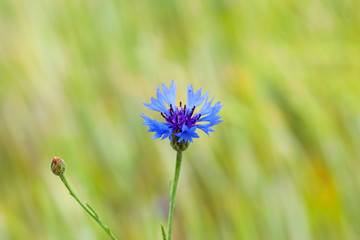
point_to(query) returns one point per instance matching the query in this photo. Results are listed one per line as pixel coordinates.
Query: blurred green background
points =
(284, 164)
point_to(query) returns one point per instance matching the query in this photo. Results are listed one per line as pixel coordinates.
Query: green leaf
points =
(91, 209)
(163, 232)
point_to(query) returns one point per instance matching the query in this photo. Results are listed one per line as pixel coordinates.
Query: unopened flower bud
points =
(178, 146)
(57, 166)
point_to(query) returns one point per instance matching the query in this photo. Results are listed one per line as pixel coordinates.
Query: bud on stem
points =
(57, 166)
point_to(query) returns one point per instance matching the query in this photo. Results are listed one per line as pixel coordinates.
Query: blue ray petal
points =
(213, 114)
(195, 99)
(157, 104)
(160, 128)
(206, 108)
(207, 127)
(169, 94)
(187, 134)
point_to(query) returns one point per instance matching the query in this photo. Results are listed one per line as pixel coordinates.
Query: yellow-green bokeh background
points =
(284, 164)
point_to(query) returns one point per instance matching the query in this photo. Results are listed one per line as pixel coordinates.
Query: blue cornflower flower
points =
(182, 121)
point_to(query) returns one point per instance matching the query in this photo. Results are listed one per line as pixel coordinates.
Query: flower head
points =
(182, 121)
(57, 166)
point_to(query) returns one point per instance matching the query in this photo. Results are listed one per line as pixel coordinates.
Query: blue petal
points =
(207, 127)
(160, 128)
(157, 104)
(195, 100)
(206, 108)
(187, 134)
(212, 117)
(213, 114)
(169, 94)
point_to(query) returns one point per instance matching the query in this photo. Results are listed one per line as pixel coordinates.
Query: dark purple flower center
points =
(176, 117)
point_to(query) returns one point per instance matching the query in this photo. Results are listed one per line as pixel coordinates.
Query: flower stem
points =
(87, 208)
(173, 193)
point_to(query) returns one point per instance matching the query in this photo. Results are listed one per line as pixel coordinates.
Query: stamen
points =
(163, 115)
(184, 108)
(180, 104)
(198, 117)
(171, 109)
(192, 111)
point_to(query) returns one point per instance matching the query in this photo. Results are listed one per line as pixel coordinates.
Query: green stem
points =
(87, 208)
(173, 193)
